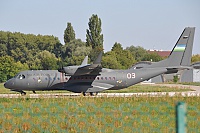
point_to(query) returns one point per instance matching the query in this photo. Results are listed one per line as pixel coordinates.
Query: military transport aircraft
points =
(92, 78)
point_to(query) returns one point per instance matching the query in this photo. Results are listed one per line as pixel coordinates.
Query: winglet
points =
(98, 60)
(85, 61)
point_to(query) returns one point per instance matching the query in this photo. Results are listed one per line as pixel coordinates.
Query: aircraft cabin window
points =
(21, 76)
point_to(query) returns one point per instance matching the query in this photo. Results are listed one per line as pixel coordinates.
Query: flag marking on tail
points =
(180, 47)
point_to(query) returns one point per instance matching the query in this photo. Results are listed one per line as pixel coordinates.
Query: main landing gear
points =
(90, 93)
(24, 93)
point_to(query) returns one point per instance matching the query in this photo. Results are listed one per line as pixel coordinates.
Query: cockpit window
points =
(21, 76)
(16, 75)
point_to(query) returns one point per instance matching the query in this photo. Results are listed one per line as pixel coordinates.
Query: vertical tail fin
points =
(182, 52)
(85, 61)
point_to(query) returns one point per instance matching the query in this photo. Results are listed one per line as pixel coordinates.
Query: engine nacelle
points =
(69, 70)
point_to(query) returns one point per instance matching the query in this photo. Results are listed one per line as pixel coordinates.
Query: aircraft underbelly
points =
(86, 87)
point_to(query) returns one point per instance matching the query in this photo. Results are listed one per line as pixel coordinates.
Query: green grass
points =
(186, 83)
(149, 88)
(3, 89)
(191, 83)
(131, 89)
(92, 114)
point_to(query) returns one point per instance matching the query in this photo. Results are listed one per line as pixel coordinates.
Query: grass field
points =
(92, 114)
(135, 88)
(186, 83)
(191, 83)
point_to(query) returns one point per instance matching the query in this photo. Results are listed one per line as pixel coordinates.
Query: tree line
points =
(20, 51)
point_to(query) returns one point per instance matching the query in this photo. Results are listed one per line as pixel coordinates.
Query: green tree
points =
(4, 37)
(75, 48)
(137, 52)
(94, 37)
(48, 60)
(9, 68)
(3, 50)
(69, 33)
(6, 68)
(109, 60)
(195, 58)
(73, 51)
(34, 63)
(117, 48)
(23, 46)
(75, 60)
(124, 57)
(154, 57)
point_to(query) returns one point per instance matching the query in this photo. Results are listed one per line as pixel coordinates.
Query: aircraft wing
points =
(85, 69)
(93, 69)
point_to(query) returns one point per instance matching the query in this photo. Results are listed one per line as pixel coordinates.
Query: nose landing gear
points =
(22, 92)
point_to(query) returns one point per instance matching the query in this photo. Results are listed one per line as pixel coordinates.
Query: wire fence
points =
(72, 117)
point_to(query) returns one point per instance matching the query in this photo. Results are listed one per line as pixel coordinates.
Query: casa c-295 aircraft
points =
(92, 78)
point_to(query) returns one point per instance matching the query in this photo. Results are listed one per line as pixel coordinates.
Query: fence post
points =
(181, 117)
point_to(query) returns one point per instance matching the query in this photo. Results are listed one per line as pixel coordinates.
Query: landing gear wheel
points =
(83, 93)
(91, 94)
(23, 93)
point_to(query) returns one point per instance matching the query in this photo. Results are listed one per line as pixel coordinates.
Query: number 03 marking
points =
(130, 75)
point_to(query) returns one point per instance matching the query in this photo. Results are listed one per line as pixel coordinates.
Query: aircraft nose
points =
(6, 85)
(9, 84)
